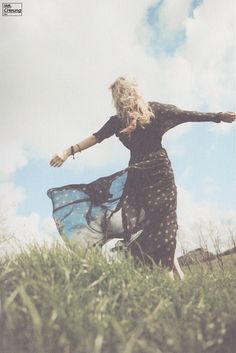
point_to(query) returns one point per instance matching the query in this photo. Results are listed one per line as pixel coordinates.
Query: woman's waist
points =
(142, 156)
(152, 169)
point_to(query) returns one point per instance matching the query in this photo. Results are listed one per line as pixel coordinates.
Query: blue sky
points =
(59, 61)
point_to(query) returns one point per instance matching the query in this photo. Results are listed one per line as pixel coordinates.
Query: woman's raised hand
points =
(59, 158)
(228, 117)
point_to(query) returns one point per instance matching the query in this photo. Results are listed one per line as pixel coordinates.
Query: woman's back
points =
(140, 142)
(144, 140)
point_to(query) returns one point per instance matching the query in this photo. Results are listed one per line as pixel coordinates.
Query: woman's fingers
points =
(54, 158)
(57, 164)
(56, 161)
(229, 117)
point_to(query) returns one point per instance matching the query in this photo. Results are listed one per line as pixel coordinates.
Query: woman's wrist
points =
(72, 150)
(67, 153)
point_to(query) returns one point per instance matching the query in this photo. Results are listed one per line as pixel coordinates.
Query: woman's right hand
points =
(59, 158)
(228, 117)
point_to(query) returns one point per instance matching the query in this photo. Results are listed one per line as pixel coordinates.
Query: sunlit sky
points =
(57, 62)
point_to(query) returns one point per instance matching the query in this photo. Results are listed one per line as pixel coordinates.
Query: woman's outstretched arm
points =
(107, 130)
(59, 158)
(169, 116)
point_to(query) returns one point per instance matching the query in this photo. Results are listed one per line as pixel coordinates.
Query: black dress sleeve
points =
(111, 127)
(169, 116)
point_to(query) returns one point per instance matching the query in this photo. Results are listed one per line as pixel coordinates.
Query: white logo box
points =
(12, 9)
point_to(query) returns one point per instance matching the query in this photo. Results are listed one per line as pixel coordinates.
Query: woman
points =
(145, 191)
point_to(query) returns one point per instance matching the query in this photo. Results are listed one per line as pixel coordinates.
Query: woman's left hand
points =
(59, 158)
(228, 117)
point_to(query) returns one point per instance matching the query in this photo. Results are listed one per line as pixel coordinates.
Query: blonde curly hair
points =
(129, 104)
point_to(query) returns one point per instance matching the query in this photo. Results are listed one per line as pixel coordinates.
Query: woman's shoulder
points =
(155, 107)
(115, 123)
(116, 120)
(160, 109)
(159, 105)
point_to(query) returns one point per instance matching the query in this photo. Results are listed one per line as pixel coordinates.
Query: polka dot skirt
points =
(149, 203)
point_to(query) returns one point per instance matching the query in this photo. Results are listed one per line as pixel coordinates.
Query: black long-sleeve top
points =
(148, 139)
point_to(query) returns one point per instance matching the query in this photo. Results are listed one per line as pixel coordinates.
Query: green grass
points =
(73, 302)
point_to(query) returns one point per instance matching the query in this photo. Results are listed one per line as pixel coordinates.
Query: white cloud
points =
(201, 221)
(11, 197)
(56, 92)
(209, 49)
(172, 15)
(201, 72)
(12, 157)
(17, 232)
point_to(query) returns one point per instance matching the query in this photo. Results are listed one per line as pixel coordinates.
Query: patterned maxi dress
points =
(137, 203)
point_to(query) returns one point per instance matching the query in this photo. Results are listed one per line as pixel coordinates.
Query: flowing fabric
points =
(138, 203)
(81, 212)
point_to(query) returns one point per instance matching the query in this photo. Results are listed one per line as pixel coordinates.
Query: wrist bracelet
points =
(219, 115)
(72, 152)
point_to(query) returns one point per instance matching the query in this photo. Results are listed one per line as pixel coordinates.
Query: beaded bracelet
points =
(72, 152)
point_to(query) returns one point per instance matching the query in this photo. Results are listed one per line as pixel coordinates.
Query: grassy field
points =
(66, 301)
